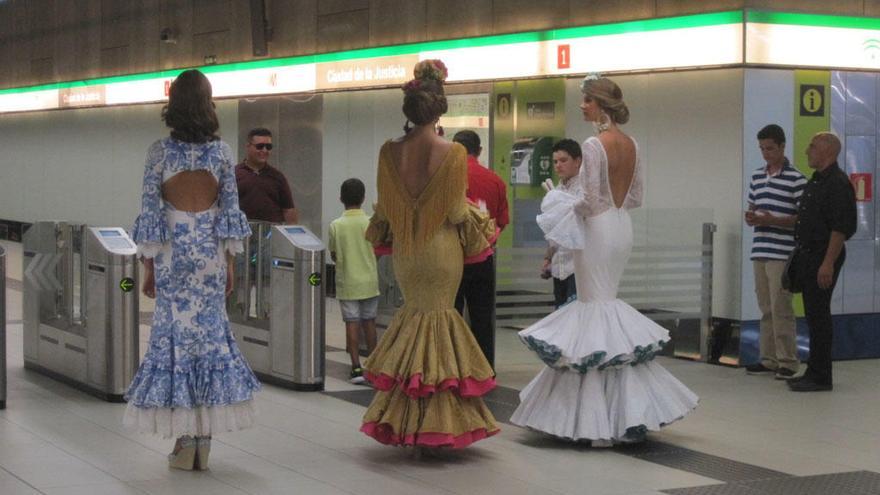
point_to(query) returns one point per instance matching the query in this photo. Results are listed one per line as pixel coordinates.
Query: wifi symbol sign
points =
(872, 48)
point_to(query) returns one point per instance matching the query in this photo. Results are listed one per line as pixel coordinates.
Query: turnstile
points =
(278, 303)
(81, 306)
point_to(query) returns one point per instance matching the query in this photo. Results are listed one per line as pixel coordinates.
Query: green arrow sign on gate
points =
(315, 279)
(126, 284)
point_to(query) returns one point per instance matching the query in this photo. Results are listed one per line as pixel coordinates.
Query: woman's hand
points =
(230, 276)
(149, 287)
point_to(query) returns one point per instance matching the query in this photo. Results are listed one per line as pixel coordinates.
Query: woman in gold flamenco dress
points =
(428, 370)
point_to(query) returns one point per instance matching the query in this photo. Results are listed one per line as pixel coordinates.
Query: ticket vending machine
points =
(291, 352)
(81, 306)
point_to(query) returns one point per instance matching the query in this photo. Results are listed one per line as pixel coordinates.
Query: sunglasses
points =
(263, 146)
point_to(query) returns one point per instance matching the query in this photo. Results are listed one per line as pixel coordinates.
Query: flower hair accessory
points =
(592, 76)
(431, 69)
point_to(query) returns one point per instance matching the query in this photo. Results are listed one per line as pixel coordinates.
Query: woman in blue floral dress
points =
(193, 381)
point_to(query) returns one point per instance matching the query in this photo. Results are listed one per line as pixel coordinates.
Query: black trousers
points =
(477, 290)
(563, 290)
(817, 309)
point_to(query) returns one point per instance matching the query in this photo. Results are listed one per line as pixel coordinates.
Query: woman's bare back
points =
(620, 150)
(192, 191)
(417, 160)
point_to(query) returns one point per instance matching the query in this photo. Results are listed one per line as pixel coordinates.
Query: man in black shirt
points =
(826, 218)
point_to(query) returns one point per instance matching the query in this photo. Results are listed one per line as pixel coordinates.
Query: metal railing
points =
(2, 328)
(668, 279)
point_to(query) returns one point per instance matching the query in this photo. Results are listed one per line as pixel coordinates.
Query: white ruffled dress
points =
(193, 379)
(600, 382)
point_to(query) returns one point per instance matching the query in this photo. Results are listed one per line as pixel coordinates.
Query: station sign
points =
(812, 40)
(696, 41)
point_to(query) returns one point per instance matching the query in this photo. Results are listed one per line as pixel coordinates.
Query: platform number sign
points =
(812, 100)
(563, 56)
(503, 106)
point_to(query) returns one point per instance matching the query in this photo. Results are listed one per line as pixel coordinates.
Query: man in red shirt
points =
(263, 191)
(477, 287)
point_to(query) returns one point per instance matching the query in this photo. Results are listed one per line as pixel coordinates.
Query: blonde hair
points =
(608, 95)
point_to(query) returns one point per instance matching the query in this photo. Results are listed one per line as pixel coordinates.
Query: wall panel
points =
(584, 12)
(93, 169)
(394, 22)
(527, 15)
(177, 15)
(343, 30)
(294, 27)
(458, 18)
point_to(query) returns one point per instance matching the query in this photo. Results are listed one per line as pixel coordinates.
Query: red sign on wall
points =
(862, 185)
(563, 56)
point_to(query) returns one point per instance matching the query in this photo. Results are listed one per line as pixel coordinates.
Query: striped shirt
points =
(778, 195)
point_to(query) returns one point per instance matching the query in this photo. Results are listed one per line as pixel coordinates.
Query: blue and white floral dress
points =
(193, 379)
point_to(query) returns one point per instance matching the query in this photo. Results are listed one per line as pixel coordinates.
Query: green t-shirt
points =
(356, 274)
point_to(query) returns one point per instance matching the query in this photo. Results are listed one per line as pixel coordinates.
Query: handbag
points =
(790, 280)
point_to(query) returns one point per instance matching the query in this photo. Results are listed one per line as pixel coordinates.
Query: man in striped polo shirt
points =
(773, 199)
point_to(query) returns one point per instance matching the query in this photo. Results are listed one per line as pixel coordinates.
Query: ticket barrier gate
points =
(277, 306)
(81, 306)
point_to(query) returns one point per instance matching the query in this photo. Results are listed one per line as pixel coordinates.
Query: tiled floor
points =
(56, 440)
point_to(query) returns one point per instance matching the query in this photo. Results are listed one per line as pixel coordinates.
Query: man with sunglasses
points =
(263, 191)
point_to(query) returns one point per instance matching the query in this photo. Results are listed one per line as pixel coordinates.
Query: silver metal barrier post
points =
(297, 308)
(2, 328)
(706, 290)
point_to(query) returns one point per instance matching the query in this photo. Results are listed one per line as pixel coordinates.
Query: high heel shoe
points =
(203, 450)
(184, 456)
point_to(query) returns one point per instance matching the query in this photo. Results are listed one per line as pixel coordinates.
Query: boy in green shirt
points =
(357, 280)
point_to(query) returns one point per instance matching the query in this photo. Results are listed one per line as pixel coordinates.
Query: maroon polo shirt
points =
(263, 195)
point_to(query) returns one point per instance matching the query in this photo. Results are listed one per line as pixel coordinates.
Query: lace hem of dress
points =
(199, 421)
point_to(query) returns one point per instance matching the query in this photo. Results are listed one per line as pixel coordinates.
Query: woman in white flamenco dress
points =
(600, 382)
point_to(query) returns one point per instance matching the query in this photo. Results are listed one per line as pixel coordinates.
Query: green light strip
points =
(691, 21)
(815, 20)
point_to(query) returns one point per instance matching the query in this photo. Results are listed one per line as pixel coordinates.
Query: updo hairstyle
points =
(424, 100)
(608, 95)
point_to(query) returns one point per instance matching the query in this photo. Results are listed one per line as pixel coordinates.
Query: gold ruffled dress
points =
(428, 369)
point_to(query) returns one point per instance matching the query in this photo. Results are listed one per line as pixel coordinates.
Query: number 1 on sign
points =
(563, 56)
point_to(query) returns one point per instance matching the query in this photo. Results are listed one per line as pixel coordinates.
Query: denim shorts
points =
(360, 309)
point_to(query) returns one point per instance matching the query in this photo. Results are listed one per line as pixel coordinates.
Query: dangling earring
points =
(406, 127)
(603, 124)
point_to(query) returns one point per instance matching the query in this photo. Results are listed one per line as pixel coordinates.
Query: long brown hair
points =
(190, 110)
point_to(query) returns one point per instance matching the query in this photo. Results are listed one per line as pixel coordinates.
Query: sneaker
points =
(785, 374)
(356, 376)
(758, 369)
